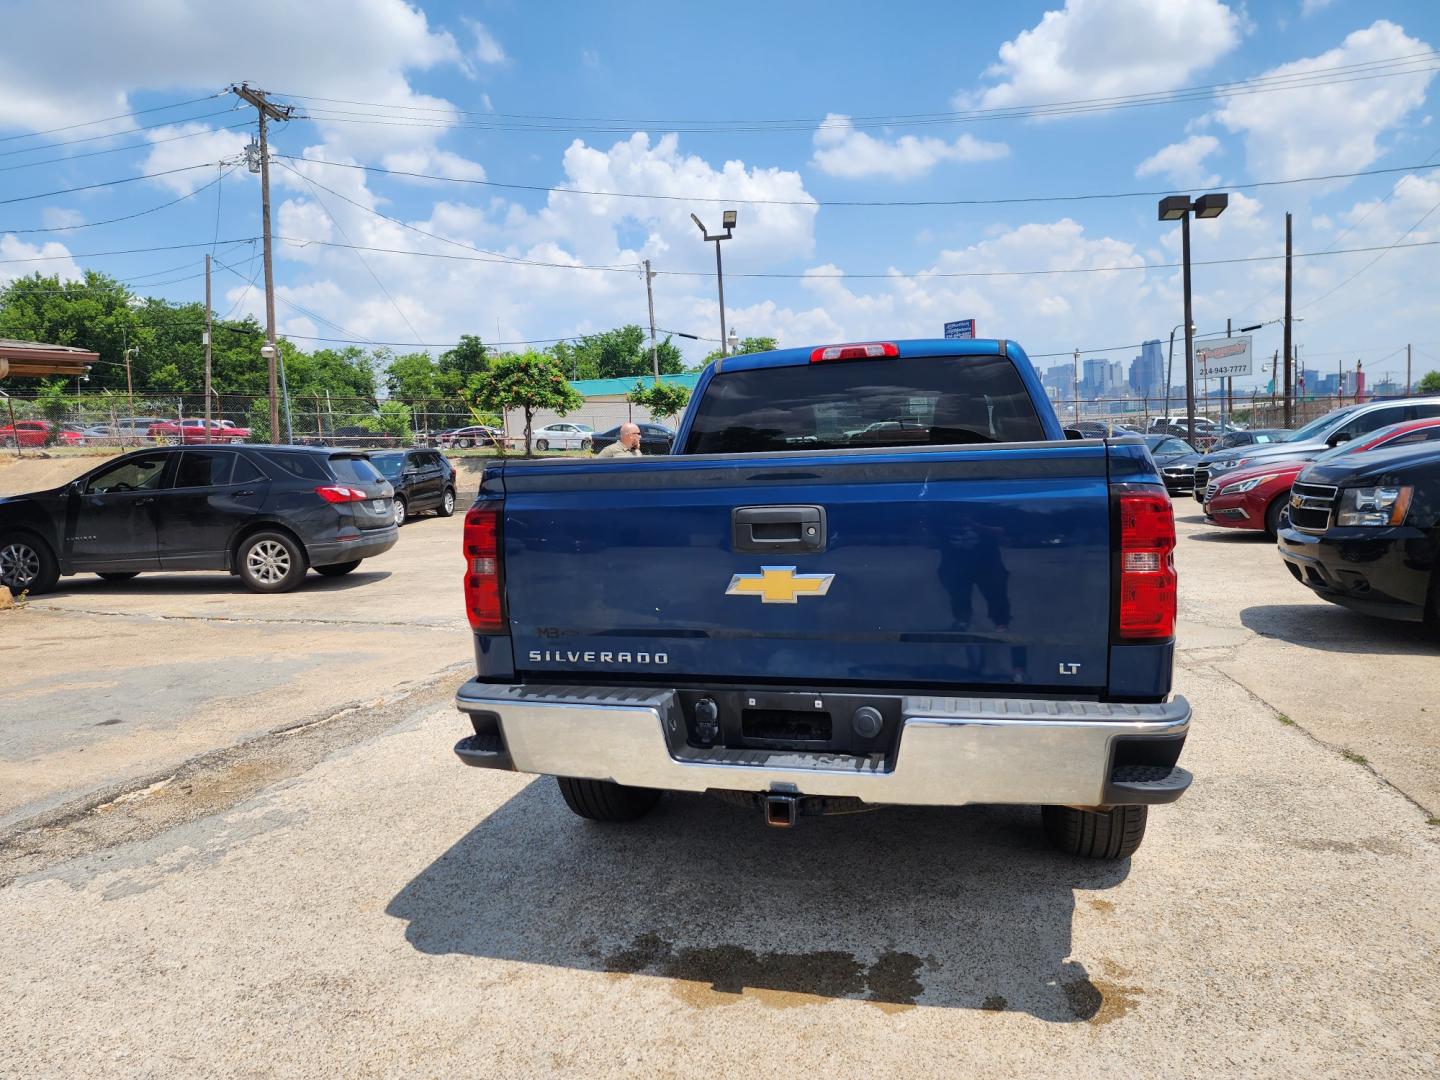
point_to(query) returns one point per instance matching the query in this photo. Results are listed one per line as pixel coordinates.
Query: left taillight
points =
(1147, 581)
(483, 595)
(339, 493)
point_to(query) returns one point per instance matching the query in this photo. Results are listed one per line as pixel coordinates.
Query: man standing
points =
(628, 444)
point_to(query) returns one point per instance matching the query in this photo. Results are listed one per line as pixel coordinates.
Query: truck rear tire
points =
(1095, 834)
(605, 800)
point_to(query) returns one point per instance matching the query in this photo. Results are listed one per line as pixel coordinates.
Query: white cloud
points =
(56, 260)
(840, 150)
(435, 163)
(357, 49)
(1320, 129)
(207, 145)
(60, 217)
(1183, 162)
(1103, 48)
(487, 49)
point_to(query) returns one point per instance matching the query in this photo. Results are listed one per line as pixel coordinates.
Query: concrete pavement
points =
(372, 908)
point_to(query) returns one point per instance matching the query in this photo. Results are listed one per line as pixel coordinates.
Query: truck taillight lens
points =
(1147, 566)
(482, 571)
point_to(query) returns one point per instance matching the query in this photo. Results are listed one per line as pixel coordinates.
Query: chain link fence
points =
(111, 420)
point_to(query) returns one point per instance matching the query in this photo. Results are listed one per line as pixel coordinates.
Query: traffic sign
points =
(965, 328)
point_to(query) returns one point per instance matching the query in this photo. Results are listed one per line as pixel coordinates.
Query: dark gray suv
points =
(264, 513)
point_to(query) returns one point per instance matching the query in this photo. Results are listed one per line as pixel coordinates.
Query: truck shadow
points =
(960, 908)
(1331, 628)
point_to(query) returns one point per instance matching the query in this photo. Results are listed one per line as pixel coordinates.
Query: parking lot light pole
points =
(728, 221)
(1179, 208)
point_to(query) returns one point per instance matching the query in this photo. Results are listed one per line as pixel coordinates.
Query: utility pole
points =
(1289, 402)
(281, 113)
(209, 328)
(650, 298)
(1407, 370)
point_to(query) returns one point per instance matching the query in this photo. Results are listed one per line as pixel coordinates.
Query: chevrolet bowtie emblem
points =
(779, 585)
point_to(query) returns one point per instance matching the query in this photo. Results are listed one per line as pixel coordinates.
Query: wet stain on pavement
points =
(1099, 1001)
(994, 1003)
(721, 974)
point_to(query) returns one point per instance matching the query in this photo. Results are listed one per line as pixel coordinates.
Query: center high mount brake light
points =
(864, 350)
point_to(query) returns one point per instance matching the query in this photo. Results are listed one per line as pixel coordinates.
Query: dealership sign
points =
(964, 328)
(1227, 359)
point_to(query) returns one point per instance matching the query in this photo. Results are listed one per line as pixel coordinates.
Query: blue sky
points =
(752, 102)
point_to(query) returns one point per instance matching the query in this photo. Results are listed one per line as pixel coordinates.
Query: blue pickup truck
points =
(867, 575)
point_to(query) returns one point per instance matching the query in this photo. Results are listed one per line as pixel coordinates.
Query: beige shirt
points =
(616, 450)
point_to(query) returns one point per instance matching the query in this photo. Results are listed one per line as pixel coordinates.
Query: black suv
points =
(1364, 532)
(423, 480)
(265, 513)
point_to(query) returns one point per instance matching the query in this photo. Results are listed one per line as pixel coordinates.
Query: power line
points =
(127, 251)
(115, 134)
(844, 276)
(126, 217)
(147, 144)
(1006, 201)
(368, 268)
(397, 221)
(1412, 63)
(117, 116)
(107, 183)
(808, 276)
(1383, 252)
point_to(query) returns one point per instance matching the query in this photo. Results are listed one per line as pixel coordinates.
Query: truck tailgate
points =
(957, 567)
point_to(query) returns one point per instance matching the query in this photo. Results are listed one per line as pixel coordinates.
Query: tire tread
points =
(605, 800)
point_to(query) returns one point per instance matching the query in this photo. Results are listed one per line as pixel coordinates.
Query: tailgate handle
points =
(778, 529)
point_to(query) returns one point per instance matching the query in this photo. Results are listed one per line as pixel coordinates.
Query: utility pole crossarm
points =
(261, 101)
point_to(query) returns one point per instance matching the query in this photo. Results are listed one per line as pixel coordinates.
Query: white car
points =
(563, 436)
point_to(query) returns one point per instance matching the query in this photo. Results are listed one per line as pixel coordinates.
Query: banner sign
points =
(965, 328)
(1229, 358)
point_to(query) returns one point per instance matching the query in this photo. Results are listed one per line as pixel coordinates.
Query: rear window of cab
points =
(917, 401)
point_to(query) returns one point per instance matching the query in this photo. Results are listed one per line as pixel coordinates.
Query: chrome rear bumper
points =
(951, 751)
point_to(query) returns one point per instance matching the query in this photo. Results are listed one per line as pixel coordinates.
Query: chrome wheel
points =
(268, 562)
(399, 511)
(449, 503)
(19, 564)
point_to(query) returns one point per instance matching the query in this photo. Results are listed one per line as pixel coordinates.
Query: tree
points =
(617, 354)
(662, 399)
(746, 345)
(457, 367)
(528, 381)
(1430, 384)
(412, 377)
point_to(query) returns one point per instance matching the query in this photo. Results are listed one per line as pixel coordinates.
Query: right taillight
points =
(483, 602)
(1147, 566)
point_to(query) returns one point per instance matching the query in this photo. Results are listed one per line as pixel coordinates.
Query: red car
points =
(31, 434)
(194, 431)
(1254, 498)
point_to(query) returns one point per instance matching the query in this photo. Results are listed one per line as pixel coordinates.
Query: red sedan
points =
(32, 434)
(1253, 498)
(194, 431)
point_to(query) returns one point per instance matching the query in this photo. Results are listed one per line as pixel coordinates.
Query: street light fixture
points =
(727, 219)
(1179, 208)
